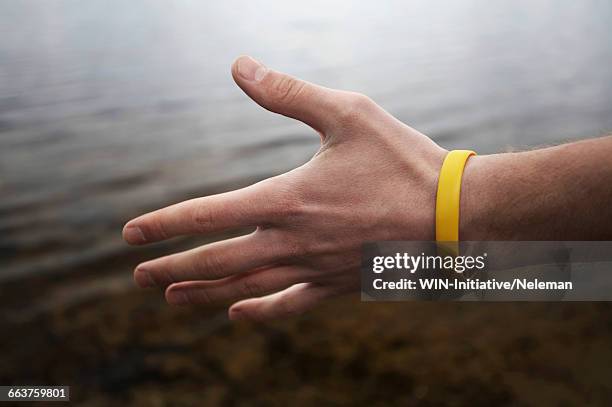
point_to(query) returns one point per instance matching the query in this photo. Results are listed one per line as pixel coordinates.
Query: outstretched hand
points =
(373, 178)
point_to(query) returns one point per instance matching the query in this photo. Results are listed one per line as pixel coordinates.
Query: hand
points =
(373, 178)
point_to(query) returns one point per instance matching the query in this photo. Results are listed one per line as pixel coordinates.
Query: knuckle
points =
(202, 296)
(289, 199)
(291, 207)
(283, 197)
(156, 227)
(354, 106)
(361, 101)
(297, 248)
(202, 217)
(285, 243)
(210, 265)
(285, 89)
(282, 243)
(251, 288)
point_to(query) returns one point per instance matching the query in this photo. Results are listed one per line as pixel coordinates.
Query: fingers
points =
(250, 206)
(295, 300)
(253, 283)
(212, 261)
(283, 94)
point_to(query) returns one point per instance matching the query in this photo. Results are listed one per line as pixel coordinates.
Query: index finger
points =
(250, 206)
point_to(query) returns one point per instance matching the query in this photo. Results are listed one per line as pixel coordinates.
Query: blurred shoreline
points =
(127, 346)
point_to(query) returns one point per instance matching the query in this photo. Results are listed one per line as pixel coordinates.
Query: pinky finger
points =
(292, 301)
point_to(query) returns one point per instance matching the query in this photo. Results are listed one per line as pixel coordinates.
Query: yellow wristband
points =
(449, 194)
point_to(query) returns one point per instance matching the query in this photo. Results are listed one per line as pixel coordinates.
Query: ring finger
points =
(213, 261)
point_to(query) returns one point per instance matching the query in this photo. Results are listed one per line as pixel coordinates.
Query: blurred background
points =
(110, 108)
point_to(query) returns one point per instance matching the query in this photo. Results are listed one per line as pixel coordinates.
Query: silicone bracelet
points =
(449, 194)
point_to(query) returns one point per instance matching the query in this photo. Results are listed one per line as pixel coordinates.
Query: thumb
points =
(283, 94)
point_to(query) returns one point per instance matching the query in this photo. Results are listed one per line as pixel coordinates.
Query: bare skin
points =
(373, 178)
(556, 193)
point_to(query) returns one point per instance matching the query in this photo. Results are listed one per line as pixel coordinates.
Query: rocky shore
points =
(118, 345)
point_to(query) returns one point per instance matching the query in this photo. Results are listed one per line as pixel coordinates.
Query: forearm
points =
(557, 193)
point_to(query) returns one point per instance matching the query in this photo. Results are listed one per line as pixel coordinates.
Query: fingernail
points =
(250, 69)
(177, 297)
(133, 235)
(143, 278)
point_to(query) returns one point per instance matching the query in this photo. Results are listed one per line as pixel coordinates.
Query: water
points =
(112, 108)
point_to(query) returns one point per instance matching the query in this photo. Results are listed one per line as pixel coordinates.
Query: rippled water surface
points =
(111, 108)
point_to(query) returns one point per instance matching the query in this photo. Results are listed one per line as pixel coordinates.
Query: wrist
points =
(477, 199)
